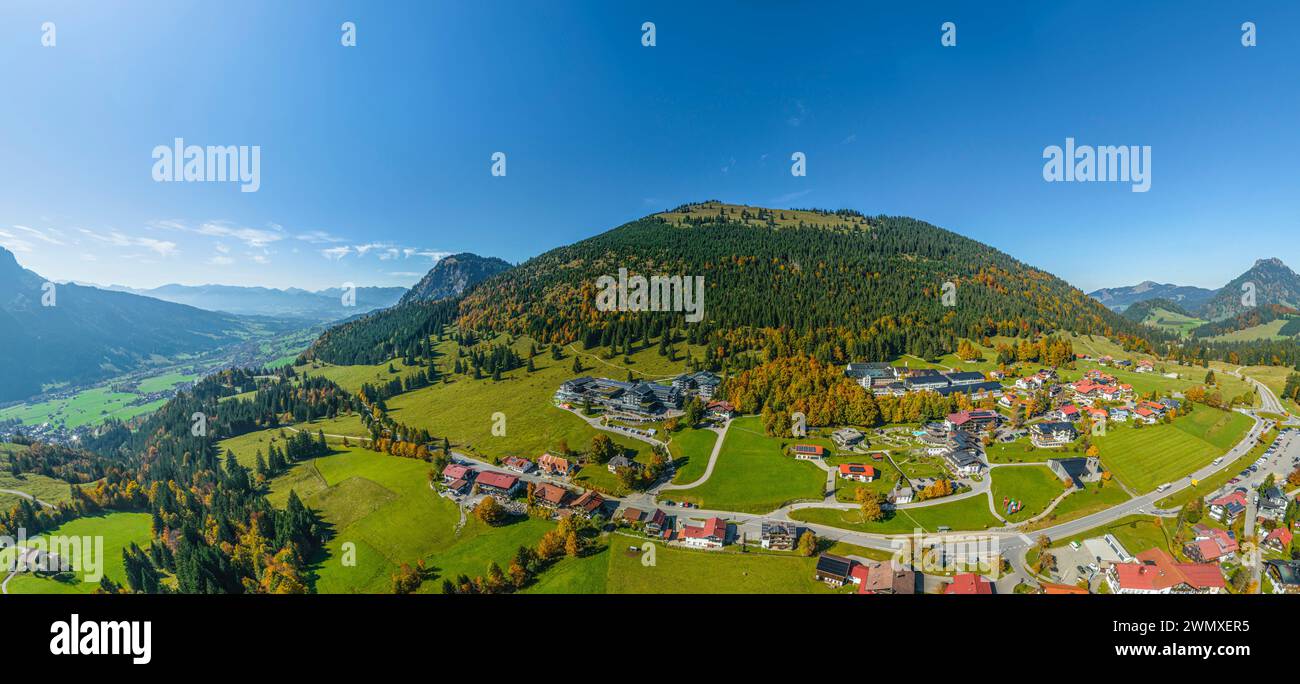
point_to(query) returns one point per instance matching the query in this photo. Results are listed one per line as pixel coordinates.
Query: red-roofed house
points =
(859, 472)
(1279, 539)
(711, 535)
(968, 583)
(549, 495)
(805, 452)
(590, 504)
(554, 465)
(1211, 545)
(454, 472)
(1156, 572)
(497, 483)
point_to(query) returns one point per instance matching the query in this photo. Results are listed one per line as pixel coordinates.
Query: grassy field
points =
(1033, 486)
(1220, 478)
(619, 570)
(1263, 331)
(1094, 497)
(1144, 458)
(690, 450)
(83, 408)
(753, 475)
(1019, 451)
(247, 445)
(118, 531)
(383, 506)
(967, 514)
(1172, 322)
(463, 409)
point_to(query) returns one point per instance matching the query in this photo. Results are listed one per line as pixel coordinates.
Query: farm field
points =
(1146, 457)
(1172, 322)
(971, 513)
(83, 408)
(753, 475)
(118, 530)
(1220, 478)
(1035, 487)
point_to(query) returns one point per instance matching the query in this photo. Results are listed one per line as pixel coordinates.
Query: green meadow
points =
(1035, 487)
(754, 474)
(690, 450)
(1147, 457)
(971, 513)
(118, 531)
(619, 568)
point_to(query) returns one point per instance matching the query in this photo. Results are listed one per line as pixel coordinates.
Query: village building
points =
(549, 464)
(833, 570)
(1156, 572)
(847, 438)
(858, 472)
(1227, 508)
(778, 536)
(968, 583)
(1051, 435)
(497, 484)
(711, 535)
(1076, 471)
(550, 496)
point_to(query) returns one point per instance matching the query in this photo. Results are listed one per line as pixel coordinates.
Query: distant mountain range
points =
(1268, 290)
(453, 275)
(320, 306)
(85, 333)
(1120, 298)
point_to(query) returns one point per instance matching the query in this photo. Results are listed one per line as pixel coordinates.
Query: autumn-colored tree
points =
(572, 546)
(871, 506)
(807, 543)
(489, 511)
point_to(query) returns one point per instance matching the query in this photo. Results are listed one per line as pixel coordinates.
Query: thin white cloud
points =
(319, 237)
(336, 253)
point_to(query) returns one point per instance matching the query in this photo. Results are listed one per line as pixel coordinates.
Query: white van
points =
(1163, 487)
(1217, 461)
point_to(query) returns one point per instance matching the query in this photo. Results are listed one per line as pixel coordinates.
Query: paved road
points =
(27, 496)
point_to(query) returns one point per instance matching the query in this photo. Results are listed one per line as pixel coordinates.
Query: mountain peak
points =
(454, 274)
(1272, 262)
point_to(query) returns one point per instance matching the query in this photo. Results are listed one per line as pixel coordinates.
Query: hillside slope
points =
(90, 333)
(835, 279)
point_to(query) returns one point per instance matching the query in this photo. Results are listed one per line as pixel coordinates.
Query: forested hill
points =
(862, 285)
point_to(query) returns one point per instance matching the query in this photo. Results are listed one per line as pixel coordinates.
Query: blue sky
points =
(376, 159)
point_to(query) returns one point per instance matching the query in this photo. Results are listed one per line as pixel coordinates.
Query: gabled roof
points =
(834, 565)
(968, 583)
(499, 480)
(456, 471)
(857, 469)
(550, 493)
